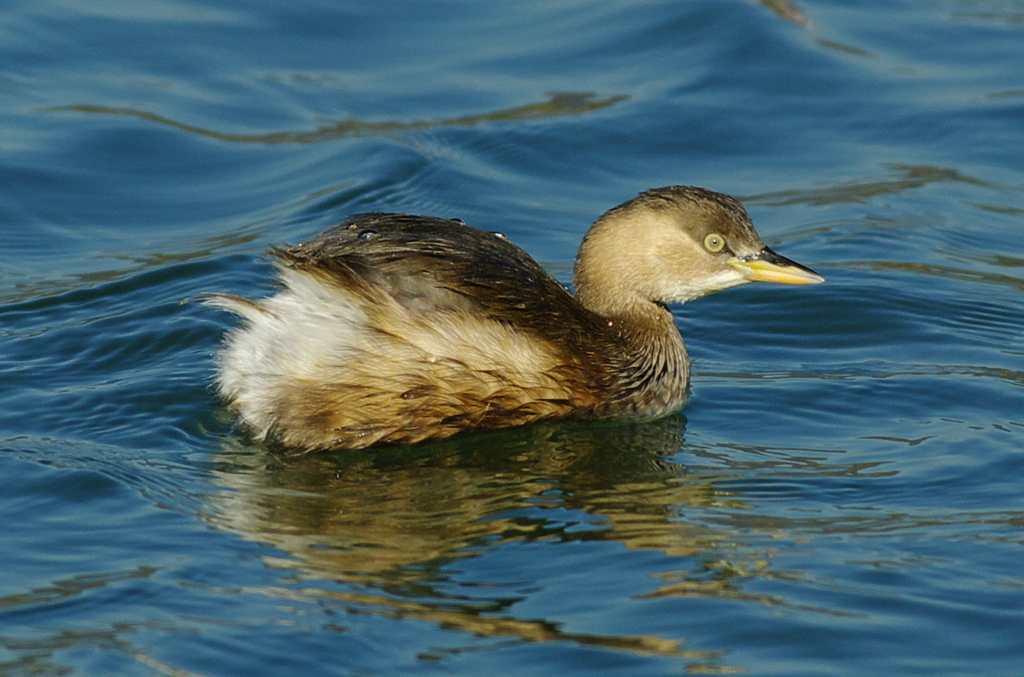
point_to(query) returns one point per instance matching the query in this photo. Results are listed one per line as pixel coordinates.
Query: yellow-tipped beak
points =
(770, 267)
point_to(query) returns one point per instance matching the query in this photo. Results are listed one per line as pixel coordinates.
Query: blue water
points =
(843, 496)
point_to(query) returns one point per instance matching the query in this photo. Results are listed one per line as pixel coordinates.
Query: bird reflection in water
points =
(393, 524)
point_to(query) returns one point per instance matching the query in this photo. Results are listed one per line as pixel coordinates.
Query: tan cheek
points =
(654, 265)
(683, 256)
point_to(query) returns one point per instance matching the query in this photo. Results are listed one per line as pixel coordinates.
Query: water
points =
(841, 497)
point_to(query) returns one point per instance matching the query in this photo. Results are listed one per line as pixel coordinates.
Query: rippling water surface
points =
(844, 495)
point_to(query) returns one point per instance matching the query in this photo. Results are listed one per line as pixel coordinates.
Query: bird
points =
(394, 328)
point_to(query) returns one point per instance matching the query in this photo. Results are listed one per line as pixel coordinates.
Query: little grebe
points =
(400, 328)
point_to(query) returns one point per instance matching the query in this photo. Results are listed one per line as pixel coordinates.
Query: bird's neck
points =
(653, 369)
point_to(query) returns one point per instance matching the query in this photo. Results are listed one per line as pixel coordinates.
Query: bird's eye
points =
(714, 242)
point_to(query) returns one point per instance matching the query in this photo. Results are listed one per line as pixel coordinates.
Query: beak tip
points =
(817, 279)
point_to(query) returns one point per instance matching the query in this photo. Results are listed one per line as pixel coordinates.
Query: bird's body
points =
(393, 328)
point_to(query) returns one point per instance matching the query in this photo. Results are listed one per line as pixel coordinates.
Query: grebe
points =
(395, 328)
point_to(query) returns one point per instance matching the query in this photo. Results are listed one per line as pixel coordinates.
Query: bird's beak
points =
(767, 266)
